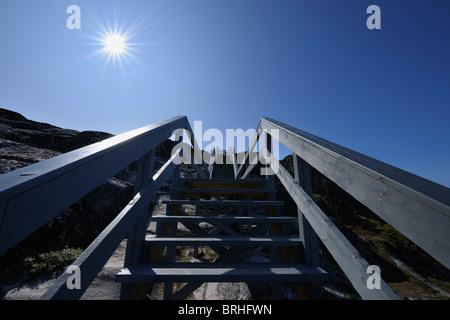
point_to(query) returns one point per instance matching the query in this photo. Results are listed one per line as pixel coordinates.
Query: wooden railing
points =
(32, 196)
(416, 207)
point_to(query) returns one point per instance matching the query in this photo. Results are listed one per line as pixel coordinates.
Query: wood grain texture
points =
(345, 254)
(416, 207)
(37, 193)
(182, 272)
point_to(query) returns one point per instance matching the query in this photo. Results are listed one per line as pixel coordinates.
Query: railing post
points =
(302, 176)
(171, 250)
(136, 235)
(271, 211)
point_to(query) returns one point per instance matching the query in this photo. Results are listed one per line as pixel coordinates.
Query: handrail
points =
(345, 254)
(92, 260)
(33, 195)
(416, 207)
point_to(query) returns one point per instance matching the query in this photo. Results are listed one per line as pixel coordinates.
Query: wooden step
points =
(212, 272)
(223, 190)
(224, 183)
(242, 241)
(226, 171)
(224, 202)
(207, 193)
(222, 219)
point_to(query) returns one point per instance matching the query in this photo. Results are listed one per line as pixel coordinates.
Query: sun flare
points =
(115, 44)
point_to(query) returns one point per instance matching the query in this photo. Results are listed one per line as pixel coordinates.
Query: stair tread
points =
(223, 240)
(225, 202)
(224, 183)
(224, 190)
(211, 272)
(164, 218)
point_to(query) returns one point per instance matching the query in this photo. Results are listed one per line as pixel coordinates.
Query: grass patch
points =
(51, 261)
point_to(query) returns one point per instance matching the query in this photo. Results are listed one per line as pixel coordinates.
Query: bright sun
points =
(115, 44)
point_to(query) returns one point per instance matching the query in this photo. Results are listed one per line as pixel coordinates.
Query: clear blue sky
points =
(312, 64)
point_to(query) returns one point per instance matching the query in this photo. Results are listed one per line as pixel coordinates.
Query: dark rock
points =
(15, 127)
(15, 155)
(86, 138)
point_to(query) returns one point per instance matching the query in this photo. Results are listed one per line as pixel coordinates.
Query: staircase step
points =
(243, 241)
(229, 219)
(224, 183)
(212, 272)
(218, 192)
(224, 202)
(224, 190)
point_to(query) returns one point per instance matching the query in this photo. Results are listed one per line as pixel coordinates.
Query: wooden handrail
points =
(92, 260)
(345, 254)
(416, 207)
(33, 195)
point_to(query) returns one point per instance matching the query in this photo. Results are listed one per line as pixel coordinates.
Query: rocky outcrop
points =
(15, 127)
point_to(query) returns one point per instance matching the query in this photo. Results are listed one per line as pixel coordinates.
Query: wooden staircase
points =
(241, 215)
(244, 212)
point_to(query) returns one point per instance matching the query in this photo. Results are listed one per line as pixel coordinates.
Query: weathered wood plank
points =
(345, 254)
(223, 240)
(224, 183)
(307, 234)
(182, 272)
(224, 202)
(237, 194)
(222, 190)
(37, 193)
(418, 208)
(228, 219)
(92, 260)
(135, 237)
